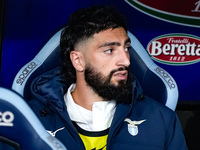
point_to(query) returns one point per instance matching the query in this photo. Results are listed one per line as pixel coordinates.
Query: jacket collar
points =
(50, 88)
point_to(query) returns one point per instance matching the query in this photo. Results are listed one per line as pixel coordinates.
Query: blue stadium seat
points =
(20, 129)
(156, 82)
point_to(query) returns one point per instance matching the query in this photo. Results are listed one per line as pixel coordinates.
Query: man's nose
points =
(124, 58)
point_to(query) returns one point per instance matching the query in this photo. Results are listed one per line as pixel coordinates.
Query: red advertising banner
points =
(179, 11)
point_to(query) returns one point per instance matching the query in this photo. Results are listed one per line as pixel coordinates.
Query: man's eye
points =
(127, 49)
(109, 51)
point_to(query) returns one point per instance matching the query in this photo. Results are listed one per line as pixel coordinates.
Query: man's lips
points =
(121, 75)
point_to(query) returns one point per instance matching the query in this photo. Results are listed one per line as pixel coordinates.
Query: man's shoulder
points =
(155, 110)
(150, 124)
(153, 104)
(45, 114)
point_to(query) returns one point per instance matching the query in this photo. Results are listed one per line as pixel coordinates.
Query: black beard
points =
(102, 85)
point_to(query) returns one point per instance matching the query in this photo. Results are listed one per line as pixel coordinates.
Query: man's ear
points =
(77, 60)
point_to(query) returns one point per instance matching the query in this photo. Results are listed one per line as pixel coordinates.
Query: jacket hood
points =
(50, 88)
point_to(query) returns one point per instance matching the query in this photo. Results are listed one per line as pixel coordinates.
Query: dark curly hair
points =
(83, 24)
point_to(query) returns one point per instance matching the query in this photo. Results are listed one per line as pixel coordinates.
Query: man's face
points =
(103, 86)
(107, 64)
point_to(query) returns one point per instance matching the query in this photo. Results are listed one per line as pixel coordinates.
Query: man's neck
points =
(100, 118)
(84, 96)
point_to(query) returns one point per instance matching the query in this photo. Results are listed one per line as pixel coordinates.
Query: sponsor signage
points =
(6, 118)
(26, 71)
(166, 77)
(175, 49)
(184, 12)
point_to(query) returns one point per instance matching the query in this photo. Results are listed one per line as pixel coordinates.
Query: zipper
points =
(117, 122)
(119, 119)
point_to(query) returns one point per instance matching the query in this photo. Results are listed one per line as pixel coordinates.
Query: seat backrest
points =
(20, 128)
(155, 81)
(45, 60)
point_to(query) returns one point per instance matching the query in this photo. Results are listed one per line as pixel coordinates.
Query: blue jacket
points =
(161, 130)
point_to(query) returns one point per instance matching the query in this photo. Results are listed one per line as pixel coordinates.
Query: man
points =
(102, 108)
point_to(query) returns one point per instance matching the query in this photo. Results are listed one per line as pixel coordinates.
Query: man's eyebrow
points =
(110, 44)
(127, 41)
(115, 43)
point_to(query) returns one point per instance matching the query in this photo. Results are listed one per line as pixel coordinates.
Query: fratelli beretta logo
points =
(175, 49)
(184, 12)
